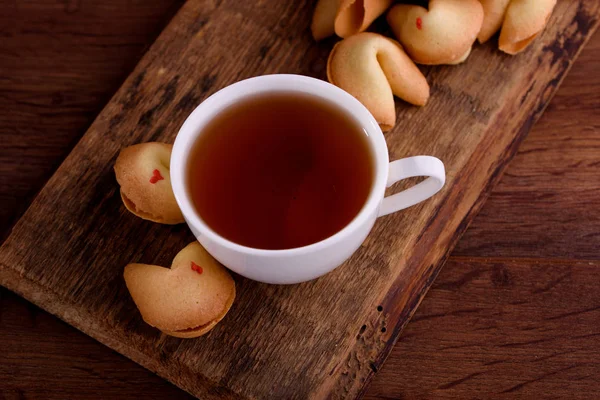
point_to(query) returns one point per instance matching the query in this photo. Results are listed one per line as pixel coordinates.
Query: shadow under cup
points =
(280, 170)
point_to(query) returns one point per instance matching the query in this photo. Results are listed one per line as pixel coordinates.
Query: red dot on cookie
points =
(419, 23)
(197, 268)
(156, 176)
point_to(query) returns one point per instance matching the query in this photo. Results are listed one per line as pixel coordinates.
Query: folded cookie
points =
(373, 69)
(442, 34)
(323, 20)
(142, 171)
(345, 17)
(523, 21)
(493, 16)
(188, 299)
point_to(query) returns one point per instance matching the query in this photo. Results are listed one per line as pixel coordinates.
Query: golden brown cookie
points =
(523, 21)
(443, 34)
(493, 16)
(323, 24)
(355, 16)
(188, 299)
(345, 17)
(373, 69)
(142, 171)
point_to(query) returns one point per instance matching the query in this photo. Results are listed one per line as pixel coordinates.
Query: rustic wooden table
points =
(515, 311)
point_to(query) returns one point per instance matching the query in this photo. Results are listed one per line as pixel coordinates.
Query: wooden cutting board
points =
(324, 338)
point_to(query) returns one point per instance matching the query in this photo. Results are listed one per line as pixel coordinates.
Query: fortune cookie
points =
(523, 21)
(142, 171)
(345, 17)
(373, 69)
(443, 34)
(188, 299)
(493, 16)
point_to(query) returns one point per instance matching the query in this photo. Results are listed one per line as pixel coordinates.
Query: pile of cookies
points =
(374, 68)
(191, 297)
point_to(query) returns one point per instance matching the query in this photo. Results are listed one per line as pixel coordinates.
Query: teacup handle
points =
(408, 168)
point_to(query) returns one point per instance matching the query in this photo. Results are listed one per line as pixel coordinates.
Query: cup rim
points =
(214, 104)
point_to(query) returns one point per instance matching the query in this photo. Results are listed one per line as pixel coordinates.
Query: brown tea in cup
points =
(280, 171)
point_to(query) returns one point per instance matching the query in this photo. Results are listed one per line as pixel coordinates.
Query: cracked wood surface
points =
(372, 337)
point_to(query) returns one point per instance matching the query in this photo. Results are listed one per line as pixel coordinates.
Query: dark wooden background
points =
(515, 312)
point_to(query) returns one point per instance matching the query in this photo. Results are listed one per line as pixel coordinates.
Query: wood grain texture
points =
(92, 298)
(44, 358)
(530, 255)
(501, 329)
(555, 181)
(59, 64)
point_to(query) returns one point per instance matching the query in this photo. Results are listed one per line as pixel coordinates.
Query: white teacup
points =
(308, 262)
